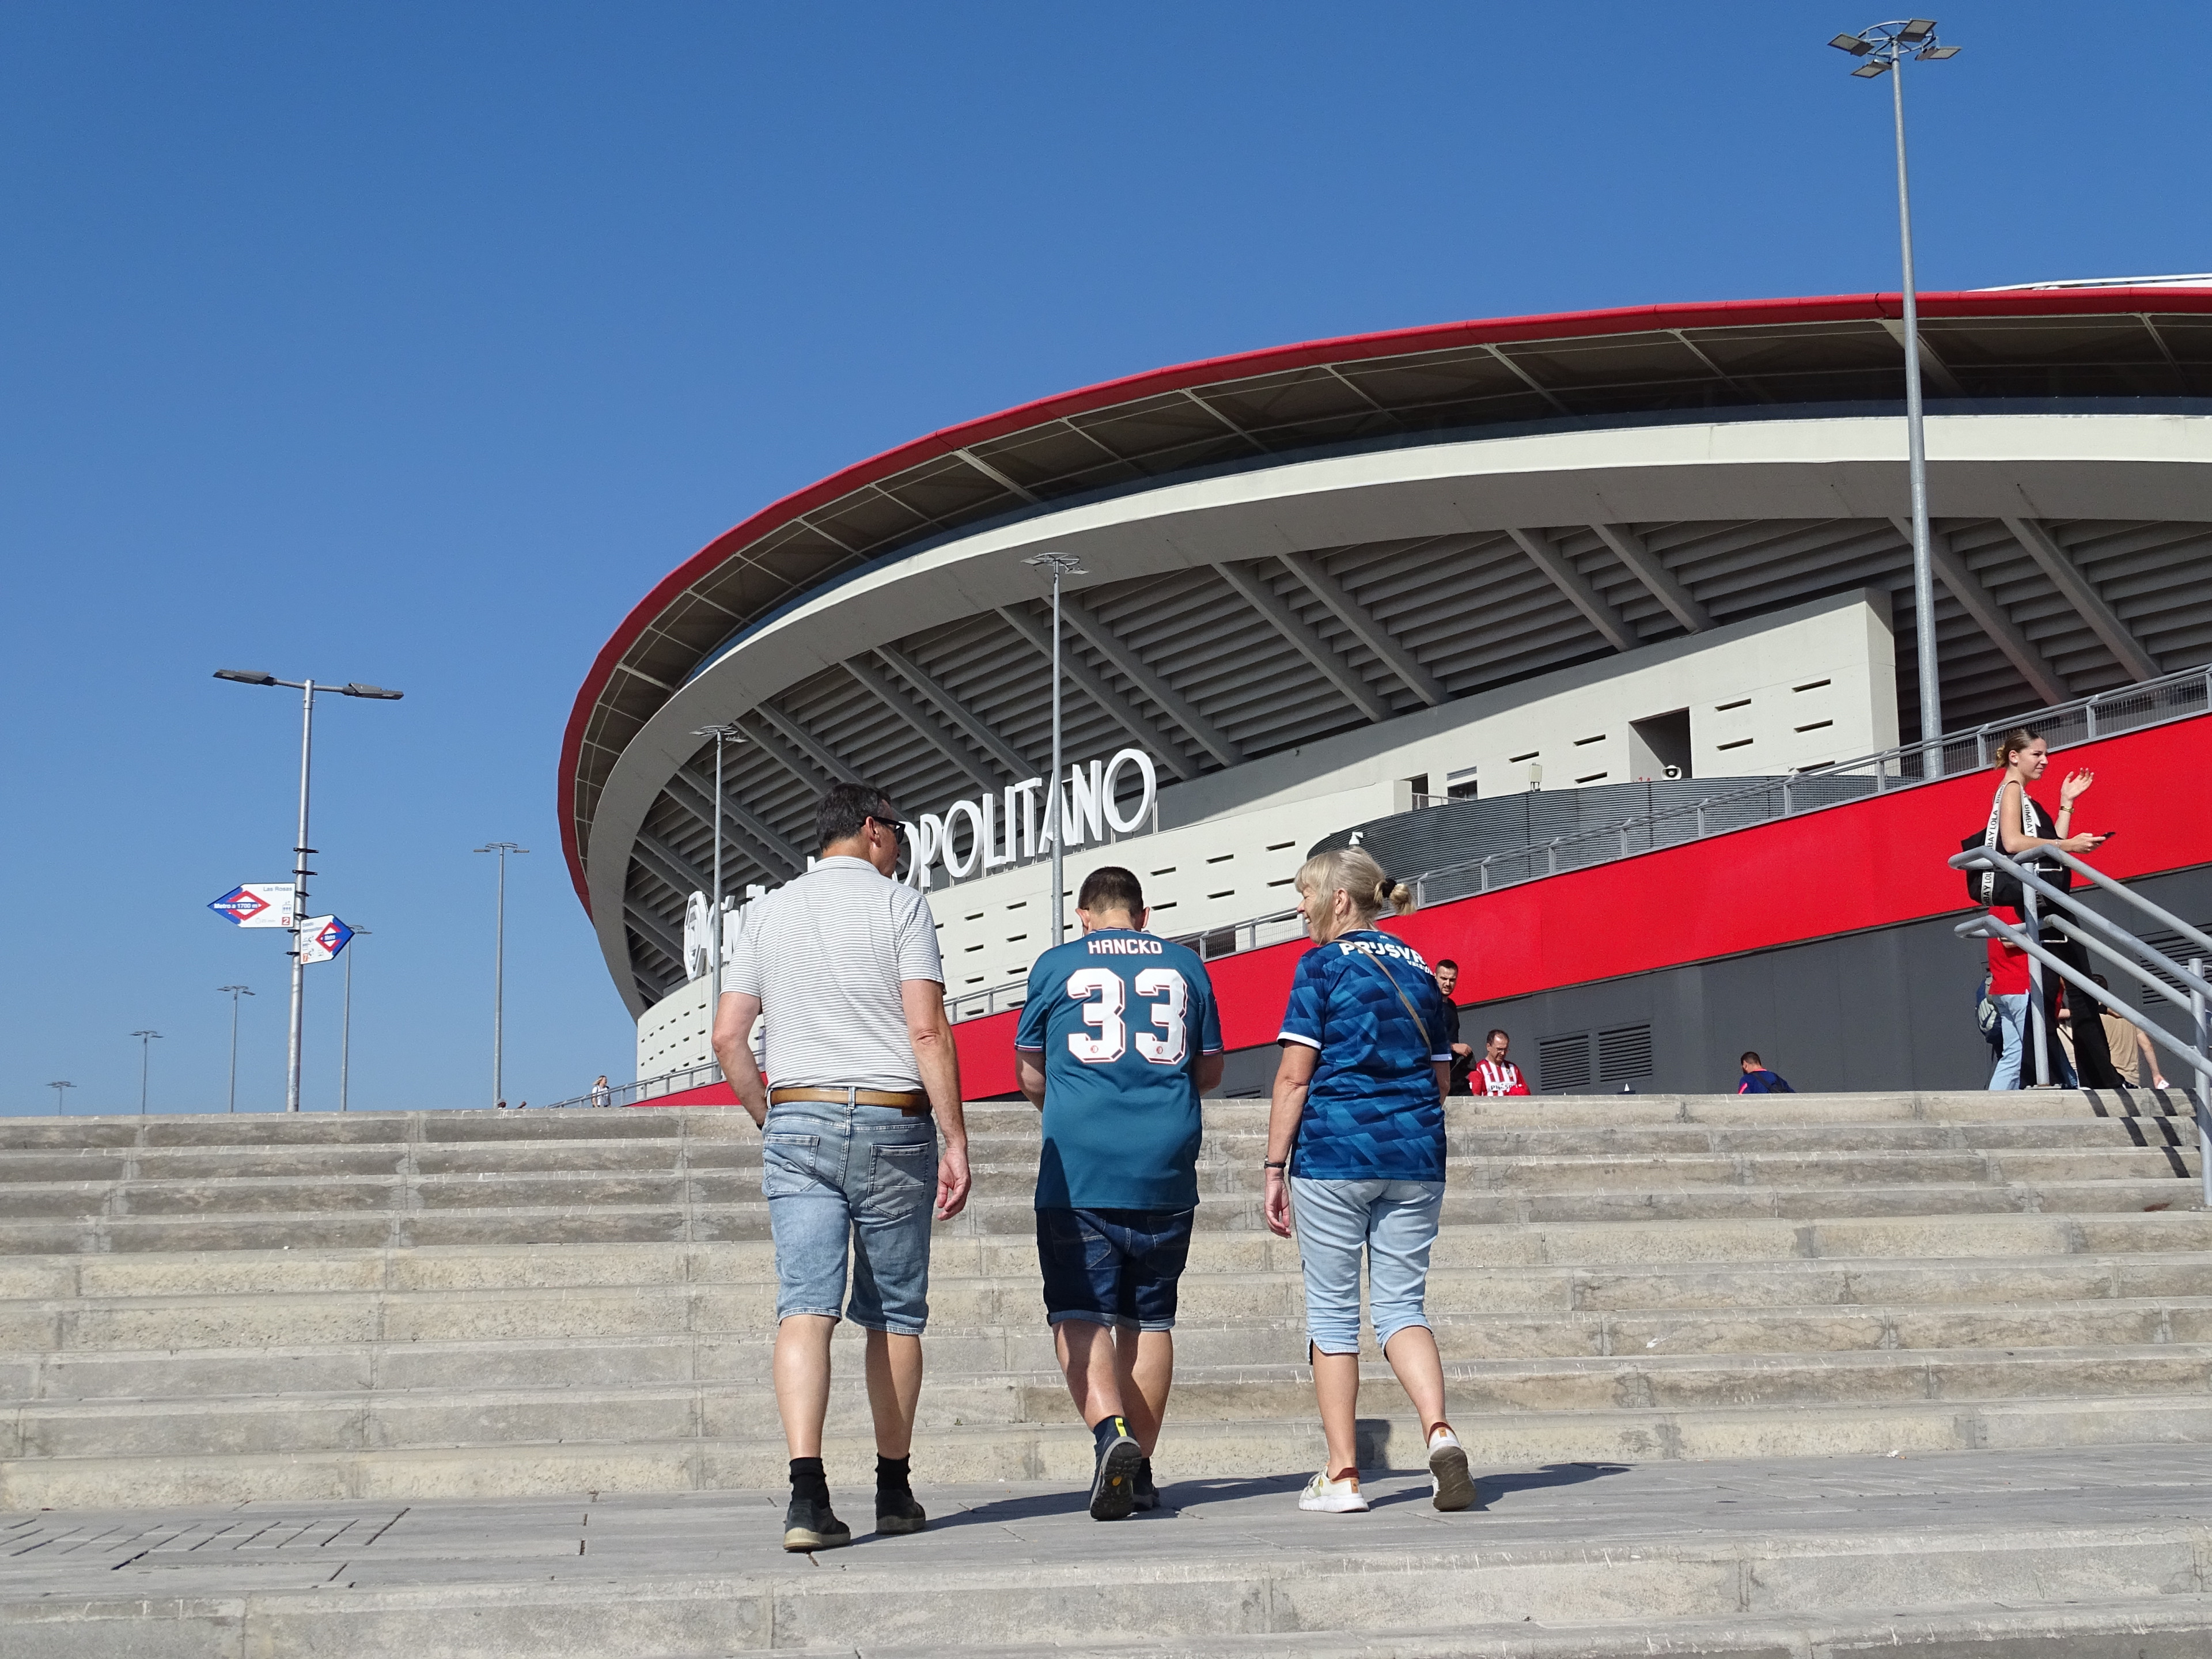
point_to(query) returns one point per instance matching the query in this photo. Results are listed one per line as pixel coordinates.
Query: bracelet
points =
(1271, 1164)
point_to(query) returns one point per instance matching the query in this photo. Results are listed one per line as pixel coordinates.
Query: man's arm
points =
(1209, 1068)
(734, 1047)
(1028, 1076)
(931, 1034)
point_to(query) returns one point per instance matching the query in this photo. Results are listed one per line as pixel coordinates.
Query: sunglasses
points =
(897, 830)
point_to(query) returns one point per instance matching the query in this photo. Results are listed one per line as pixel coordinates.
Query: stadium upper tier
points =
(1290, 544)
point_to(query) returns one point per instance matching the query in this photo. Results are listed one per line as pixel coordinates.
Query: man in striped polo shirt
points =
(843, 962)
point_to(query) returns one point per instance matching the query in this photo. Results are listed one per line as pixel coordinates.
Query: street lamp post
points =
(1885, 46)
(729, 731)
(499, 971)
(146, 1040)
(345, 1023)
(1060, 564)
(306, 688)
(59, 1097)
(234, 992)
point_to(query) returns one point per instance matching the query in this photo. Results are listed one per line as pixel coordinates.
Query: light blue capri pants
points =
(1396, 1221)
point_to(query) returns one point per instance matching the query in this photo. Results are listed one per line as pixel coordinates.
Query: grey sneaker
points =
(809, 1525)
(1114, 1483)
(1146, 1495)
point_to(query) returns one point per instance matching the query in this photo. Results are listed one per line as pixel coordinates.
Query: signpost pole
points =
(499, 971)
(1055, 824)
(345, 1025)
(234, 993)
(300, 874)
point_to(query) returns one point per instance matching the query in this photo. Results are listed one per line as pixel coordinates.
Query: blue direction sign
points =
(257, 904)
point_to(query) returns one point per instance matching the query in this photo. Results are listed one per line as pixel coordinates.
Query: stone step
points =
(349, 1191)
(600, 1221)
(695, 1123)
(1662, 1291)
(1063, 1454)
(1220, 1397)
(662, 1358)
(1224, 1144)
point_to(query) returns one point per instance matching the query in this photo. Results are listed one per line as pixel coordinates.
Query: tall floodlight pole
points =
(59, 1097)
(1885, 46)
(345, 1024)
(729, 731)
(499, 971)
(234, 992)
(306, 688)
(1060, 564)
(146, 1040)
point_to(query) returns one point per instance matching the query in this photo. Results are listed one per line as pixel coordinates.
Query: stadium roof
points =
(1216, 652)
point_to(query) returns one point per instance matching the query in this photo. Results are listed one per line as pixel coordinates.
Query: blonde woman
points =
(1356, 1155)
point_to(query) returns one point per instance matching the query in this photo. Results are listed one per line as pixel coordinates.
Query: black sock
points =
(893, 1476)
(1108, 1429)
(808, 1479)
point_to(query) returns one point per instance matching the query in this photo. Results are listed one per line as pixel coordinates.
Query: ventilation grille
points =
(1564, 1063)
(1623, 1052)
(2171, 944)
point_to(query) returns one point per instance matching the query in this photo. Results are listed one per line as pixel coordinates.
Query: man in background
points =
(844, 962)
(1497, 1075)
(1462, 1054)
(2135, 1056)
(1758, 1080)
(1119, 1037)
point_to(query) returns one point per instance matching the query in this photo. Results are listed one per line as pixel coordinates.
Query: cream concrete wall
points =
(1796, 688)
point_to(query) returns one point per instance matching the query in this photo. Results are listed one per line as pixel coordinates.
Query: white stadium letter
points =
(1143, 762)
(975, 840)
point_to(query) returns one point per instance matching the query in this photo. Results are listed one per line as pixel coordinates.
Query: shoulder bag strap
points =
(1419, 1025)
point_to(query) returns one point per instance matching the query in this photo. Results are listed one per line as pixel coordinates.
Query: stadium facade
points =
(1333, 583)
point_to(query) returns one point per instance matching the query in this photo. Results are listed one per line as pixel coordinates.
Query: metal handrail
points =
(2190, 989)
(650, 1088)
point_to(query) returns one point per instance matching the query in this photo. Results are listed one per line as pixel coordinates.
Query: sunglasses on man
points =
(897, 830)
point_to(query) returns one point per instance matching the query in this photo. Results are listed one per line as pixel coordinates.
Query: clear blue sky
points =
(413, 344)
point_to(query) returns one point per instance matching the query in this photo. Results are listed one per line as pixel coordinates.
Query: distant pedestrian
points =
(1756, 1080)
(1355, 1162)
(601, 1094)
(1462, 1052)
(502, 1105)
(1119, 1038)
(2135, 1056)
(845, 961)
(1498, 1075)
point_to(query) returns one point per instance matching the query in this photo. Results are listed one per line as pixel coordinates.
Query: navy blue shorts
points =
(1113, 1267)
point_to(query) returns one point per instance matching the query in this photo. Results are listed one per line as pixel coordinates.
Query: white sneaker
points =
(1449, 1480)
(1332, 1497)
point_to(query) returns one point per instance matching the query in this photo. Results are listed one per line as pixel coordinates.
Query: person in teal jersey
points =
(1119, 1037)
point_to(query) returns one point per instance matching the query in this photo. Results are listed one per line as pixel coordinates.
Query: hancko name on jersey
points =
(1124, 946)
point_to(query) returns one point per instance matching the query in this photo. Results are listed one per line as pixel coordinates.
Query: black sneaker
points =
(896, 1511)
(1114, 1483)
(809, 1525)
(1146, 1495)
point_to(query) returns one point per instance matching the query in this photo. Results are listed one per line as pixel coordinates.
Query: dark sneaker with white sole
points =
(808, 1524)
(1114, 1483)
(1146, 1497)
(897, 1512)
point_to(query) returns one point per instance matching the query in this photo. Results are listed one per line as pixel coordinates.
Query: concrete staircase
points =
(472, 1305)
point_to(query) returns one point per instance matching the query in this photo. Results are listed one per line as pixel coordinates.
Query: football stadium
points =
(1598, 627)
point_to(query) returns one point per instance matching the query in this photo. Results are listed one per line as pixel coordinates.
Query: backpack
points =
(2000, 889)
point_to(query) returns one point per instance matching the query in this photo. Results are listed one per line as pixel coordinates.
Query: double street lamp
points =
(146, 1040)
(1884, 48)
(234, 992)
(308, 689)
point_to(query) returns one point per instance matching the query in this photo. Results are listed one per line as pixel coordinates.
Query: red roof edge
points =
(1628, 320)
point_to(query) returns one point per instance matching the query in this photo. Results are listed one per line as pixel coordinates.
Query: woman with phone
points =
(2024, 827)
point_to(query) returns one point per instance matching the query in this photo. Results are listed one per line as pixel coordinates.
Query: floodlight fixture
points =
(1916, 29)
(245, 675)
(1868, 71)
(1853, 44)
(1937, 52)
(356, 688)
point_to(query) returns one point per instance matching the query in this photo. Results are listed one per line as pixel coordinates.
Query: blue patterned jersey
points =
(1119, 1019)
(1372, 1113)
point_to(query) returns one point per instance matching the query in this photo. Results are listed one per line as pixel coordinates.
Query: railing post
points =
(2203, 1092)
(2036, 1032)
(1484, 872)
(1981, 748)
(1551, 857)
(1785, 805)
(1701, 824)
(2088, 716)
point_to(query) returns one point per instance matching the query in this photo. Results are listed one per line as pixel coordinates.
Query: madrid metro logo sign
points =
(257, 904)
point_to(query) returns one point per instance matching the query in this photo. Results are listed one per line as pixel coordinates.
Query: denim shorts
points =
(1116, 1267)
(858, 1181)
(1396, 1221)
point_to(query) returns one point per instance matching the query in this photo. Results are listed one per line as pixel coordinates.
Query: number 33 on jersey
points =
(1129, 1010)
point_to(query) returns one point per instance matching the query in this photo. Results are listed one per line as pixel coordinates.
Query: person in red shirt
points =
(1494, 1074)
(2008, 989)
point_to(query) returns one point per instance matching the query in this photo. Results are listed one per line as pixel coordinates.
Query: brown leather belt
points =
(913, 1101)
